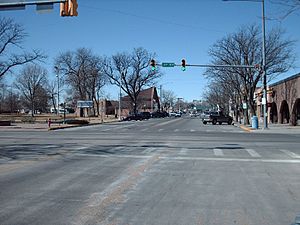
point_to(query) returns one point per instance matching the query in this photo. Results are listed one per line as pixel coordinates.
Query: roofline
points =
(285, 80)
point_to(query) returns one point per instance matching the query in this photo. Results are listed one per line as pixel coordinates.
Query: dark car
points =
(145, 115)
(159, 114)
(217, 117)
(133, 117)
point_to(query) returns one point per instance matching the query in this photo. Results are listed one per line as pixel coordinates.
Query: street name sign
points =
(168, 64)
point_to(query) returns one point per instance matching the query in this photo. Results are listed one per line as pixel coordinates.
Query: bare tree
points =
(82, 72)
(132, 72)
(244, 48)
(53, 92)
(11, 38)
(32, 84)
(168, 99)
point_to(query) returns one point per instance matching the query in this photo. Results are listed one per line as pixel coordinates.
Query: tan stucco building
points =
(283, 101)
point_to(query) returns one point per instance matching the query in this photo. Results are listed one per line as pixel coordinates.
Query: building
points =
(148, 101)
(283, 101)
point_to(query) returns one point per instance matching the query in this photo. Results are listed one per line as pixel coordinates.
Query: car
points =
(159, 114)
(145, 115)
(217, 117)
(178, 114)
(133, 117)
(172, 114)
(193, 114)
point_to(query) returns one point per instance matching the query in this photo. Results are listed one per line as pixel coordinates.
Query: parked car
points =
(172, 114)
(217, 117)
(145, 115)
(178, 114)
(133, 117)
(159, 114)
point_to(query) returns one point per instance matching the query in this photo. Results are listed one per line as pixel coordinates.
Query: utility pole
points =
(160, 99)
(265, 102)
(120, 95)
(57, 75)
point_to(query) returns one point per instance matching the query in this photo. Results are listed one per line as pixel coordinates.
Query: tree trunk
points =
(32, 108)
(53, 102)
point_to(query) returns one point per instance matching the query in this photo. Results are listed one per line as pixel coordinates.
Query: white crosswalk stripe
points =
(183, 151)
(218, 152)
(253, 153)
(291, 154)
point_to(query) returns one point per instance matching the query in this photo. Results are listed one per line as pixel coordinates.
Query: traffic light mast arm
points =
(257, 66)
(30, 3)
(223, 66)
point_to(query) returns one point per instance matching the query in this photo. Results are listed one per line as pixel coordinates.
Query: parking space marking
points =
(290, 154)
(218, 152)
(253, 153)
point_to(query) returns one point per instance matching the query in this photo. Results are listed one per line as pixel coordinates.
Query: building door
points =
(296, 113)
(274, 113)
(284, 112)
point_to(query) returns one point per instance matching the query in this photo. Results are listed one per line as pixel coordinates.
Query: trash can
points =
(254, 122)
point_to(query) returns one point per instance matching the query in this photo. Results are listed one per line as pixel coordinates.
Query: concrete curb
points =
(247, 129)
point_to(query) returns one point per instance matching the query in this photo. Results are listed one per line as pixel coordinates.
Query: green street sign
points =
(168, 64)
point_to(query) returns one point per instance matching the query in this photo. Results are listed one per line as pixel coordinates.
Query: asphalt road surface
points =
(161, 171)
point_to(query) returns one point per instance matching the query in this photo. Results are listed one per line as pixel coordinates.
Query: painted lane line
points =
(165, 123)
(176, 130)
(160, 130)
(253, 153)
(182, 158)
(192, 130)
(291, 154)
(218, 152)
(232, 159)
(118, 148)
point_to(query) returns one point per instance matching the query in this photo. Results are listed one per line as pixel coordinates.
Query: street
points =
(173, 171)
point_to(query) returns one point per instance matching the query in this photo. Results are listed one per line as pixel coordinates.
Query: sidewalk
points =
(272, 129)
(43, 126)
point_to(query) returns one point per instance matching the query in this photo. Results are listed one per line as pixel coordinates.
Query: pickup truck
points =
(216, 117)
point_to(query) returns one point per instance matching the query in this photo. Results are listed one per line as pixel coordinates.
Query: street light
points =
(57, 76)
(264, 75)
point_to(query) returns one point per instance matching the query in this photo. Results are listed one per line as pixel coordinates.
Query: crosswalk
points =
(163, 130)
(217, 152)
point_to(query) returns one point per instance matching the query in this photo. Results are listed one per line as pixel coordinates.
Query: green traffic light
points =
(183, 68)
(153, 68)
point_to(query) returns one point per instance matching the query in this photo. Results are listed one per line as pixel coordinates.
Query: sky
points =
(173, 29)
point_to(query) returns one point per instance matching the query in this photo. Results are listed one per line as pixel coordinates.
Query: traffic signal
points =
(64, 8)
(73, 5)
(153, 64)
(69, 8)
(183, 65)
